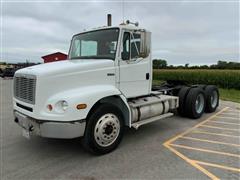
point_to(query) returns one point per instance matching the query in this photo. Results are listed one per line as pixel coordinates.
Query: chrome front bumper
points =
(50, 129)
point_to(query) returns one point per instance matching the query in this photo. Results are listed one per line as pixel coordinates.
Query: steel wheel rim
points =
(107, 129)
(199, 104)
(214, 99)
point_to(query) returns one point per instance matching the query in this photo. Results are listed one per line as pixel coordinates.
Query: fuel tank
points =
(151, 106)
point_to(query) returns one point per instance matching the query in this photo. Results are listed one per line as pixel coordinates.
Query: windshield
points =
(100, 44)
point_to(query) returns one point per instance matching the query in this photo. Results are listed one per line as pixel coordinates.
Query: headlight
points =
(61, 106)
(64, 105)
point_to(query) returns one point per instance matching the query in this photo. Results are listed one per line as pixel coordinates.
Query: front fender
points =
(85, 95)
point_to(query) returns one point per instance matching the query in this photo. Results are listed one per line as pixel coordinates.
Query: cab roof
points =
(121, 26)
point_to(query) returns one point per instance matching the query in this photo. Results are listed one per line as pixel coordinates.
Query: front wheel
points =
(104, 129)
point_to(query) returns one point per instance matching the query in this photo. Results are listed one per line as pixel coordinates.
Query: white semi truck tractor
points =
(103, 87)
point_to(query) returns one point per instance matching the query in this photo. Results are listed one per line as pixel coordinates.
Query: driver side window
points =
(126, 46)
(131, 46)
(135, 45)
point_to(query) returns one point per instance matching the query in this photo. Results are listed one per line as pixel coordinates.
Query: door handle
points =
(147, 76)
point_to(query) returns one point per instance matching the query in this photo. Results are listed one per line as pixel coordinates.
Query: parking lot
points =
(173, 148)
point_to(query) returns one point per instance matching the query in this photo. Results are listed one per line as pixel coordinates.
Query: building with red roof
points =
(58, 56)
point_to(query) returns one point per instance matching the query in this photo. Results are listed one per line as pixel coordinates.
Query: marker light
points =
(81, 106)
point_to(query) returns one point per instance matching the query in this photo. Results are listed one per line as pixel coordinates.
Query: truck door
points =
(135, 75)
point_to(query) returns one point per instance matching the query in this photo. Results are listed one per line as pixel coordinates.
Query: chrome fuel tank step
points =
(136, 125)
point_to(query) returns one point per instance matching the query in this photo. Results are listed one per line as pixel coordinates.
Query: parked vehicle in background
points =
(104, 86)
(8, 72)
(1, 72)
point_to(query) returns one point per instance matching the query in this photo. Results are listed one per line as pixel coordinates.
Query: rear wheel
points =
(212, 98)
(182, 98)
(195, 103)
(104, 129)
(202, 86)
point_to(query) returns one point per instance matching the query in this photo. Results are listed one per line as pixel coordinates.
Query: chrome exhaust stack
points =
(109, 20)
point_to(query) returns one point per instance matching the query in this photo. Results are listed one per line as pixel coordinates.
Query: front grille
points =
(25, 87)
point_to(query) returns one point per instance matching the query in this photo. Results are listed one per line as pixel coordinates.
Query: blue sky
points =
(191, 32)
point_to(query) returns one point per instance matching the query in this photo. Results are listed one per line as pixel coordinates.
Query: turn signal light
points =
(81, 106)
(49, 106)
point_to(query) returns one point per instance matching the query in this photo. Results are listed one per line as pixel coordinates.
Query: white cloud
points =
(181, 32)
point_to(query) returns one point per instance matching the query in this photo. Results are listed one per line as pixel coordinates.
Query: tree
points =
(3, 63)
(159, 64)
(227, 65)
(222, 64)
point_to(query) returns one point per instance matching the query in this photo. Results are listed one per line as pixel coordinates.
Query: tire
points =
(182, 94)
(195, 103)
(104, 129)
(212, 98)
(202, 86)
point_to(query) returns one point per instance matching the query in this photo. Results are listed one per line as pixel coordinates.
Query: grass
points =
(225, 94)
(230, 95)
(157, 82)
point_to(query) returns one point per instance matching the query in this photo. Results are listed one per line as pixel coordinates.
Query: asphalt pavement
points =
(172, 148)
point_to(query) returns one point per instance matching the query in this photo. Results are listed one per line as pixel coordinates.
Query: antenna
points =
(123, 9)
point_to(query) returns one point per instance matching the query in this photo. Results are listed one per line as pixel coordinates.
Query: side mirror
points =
(145, 44)
(125, 55)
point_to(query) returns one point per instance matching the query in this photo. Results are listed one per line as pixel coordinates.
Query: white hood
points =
(70, 80)
(67, 66)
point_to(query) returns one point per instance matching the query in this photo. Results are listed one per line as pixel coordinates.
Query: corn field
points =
(229, 79)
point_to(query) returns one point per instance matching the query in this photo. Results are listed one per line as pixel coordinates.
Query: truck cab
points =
(127, 47)
(105, 85)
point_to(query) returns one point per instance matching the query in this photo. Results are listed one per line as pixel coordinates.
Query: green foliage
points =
(159, 63)
(222, 78)
(3, 63)
(162, 64)
(230, 95)
(226, 65)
